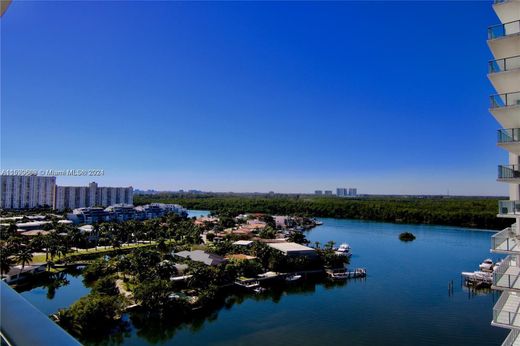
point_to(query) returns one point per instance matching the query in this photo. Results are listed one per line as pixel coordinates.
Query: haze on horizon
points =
(390, 98)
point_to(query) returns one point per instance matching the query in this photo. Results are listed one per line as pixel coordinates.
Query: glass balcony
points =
(16, 313)
(506, 64)
(509, 208)
(505, 241)
(505, 100)
(502, 30)
(513, 338)
(507, 276)
(508, 172)
(508, 135)
(506, 311)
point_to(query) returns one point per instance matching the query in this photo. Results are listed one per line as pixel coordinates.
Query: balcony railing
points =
(508, 135)
(506, 310)
(512, 337)
(507, 276)
(509, 208)
(23, 324)
(502, 30)
(505, 240)
(505, 100)
(506, 64)
(508, 172)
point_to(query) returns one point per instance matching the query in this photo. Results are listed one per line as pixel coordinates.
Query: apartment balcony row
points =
(507, 275)
(504, 39)
(509, 139)
(506, 241)
(504, 74)
(506, 312)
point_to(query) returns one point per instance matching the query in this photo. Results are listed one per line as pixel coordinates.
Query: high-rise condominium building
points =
(26, 192)
(72, 197)
(318, 192)
(346, 192)
(504, 74)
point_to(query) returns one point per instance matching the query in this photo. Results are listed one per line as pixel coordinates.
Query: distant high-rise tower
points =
(504, 74)
(26, 192)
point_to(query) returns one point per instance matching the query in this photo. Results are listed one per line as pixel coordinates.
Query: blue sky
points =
(224, 96)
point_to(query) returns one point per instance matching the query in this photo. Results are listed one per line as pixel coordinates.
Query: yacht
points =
(344, 249)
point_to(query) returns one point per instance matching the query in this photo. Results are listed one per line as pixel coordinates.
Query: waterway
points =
(403, 301)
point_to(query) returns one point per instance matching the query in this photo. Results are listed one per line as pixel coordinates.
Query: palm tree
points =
(24, 256)
(6, 261)
(330, 245)
(317, 244)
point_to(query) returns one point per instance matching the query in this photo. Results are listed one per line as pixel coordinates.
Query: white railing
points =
(511, 337)
(507, 315)
(503, 280)
(505, 240)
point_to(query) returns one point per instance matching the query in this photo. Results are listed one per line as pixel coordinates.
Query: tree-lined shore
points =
(474, 212)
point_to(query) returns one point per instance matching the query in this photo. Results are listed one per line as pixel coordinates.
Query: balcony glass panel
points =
(505, 240)
(508, 135)
(505, 100)
(507, 64)
(509, 207)
(506, 310)
(507, 276)
(508, 172)
(512, 338)
(505, 29)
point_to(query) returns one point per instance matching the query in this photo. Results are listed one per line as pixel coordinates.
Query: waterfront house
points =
(16, 273)
(201, 256)
(293, 249)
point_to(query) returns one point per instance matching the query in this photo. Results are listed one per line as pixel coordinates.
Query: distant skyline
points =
(387, 97)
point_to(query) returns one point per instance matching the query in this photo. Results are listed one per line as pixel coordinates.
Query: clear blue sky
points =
(291, 97)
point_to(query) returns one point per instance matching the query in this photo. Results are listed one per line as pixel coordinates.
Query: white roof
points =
(285, 247)
(243, 242)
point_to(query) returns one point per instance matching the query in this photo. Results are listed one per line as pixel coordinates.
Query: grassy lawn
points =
(40, 258)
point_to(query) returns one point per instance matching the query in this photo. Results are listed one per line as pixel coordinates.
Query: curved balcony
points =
(506, 109)
(505, 100)
(504, 39)
(506, 241)
(506, 312)
(509, 139)
(506, 10)
(507, 276)
(502, 30)
(509, 173)
(509, 209)
(504, 74)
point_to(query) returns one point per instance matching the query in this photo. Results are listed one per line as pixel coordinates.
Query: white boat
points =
(259, 290)
(248, 284)
(344, 274)
(487, 264)
(344, 249)
(291, 278)
(478, 277)
(318, 223)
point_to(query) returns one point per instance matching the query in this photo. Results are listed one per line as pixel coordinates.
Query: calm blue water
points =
(404, 300)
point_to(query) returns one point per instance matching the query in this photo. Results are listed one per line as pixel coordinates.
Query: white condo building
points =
(72, 197)
(504, 75)
(26, 192)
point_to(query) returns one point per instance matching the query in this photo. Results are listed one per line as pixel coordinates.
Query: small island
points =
(406, 236)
